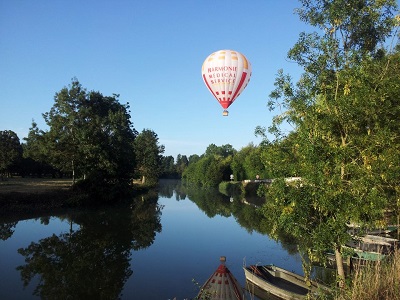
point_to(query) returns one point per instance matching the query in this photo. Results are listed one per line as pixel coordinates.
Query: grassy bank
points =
(33, 194)
(27, 195)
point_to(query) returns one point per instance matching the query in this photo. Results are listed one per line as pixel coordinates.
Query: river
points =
(161, 246)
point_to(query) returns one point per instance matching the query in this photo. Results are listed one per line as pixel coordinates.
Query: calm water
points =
(153, 249)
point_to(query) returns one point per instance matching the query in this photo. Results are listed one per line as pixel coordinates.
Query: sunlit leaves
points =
(343, 111)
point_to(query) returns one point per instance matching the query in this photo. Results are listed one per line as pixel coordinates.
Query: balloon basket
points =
(225, 113)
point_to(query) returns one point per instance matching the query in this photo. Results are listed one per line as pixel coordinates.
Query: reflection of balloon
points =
(226, 73)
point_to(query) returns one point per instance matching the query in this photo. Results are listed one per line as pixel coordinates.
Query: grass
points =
(33, 185)
(380, 281)
(28, 195)
(43, 195)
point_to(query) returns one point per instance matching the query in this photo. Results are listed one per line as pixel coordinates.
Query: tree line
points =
(90, 138)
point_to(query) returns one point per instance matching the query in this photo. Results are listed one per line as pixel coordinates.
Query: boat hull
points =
(280, 282)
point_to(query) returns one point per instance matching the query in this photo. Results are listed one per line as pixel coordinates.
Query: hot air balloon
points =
(226, 73)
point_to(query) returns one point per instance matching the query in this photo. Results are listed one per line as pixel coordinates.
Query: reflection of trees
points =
(94, 261)
(247, 216)
(210, 201)
(146, 221)
(7, 230)
(73, 266)
(166, 188)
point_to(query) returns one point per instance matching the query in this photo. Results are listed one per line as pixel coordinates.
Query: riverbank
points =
(18, 195)
(40, 195)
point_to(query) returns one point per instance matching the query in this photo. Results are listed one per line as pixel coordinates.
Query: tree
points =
(90, 135)
(106, 139)
(36, 158)
(209, 170)
(193, 158)
(181, 164)
(63, 120)
(148, 155)
(10, 151)
(168, 169)
(247, 163)
(281, 157)
(343, 110)
(224, 150)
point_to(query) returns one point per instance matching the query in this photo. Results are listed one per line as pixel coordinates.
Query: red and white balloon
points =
(226, 73)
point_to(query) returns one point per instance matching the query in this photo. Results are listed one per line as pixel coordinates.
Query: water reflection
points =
(7, 230)
(92, 262)
(244, 210)
(110, 253)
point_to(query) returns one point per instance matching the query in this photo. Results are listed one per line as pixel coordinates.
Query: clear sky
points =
(150, 52)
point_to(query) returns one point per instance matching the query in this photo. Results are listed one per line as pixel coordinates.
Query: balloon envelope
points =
(226, 73)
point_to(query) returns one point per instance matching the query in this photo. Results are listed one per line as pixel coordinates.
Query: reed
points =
(374, 281)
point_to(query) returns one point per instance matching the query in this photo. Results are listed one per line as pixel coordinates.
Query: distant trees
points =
(247, 163)
(148, 156)
(10, 151)
(90, 138)
(168, 169)
(181, 164)
(219, 162)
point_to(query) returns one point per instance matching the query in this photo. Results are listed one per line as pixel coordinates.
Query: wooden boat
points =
(371, 247)
(280, 282)
(221, 285)
(389, 230)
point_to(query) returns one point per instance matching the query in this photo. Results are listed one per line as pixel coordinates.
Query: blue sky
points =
(150, 52)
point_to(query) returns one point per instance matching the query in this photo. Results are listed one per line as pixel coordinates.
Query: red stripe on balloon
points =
(210, 89)
(244, 74)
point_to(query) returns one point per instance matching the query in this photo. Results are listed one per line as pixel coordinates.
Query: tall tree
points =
(10, 150)
(106, 138)
(63, 120)
(148, 155)
(90, 135)
(342, 109)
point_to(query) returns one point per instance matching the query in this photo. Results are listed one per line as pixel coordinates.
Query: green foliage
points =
(168, 168)
(90, 136)
(36, 159)
(208, 171)
(148, 155)
(247, 163)
(343, 110)
(224, 150)
(10, 150)
(181, 164)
